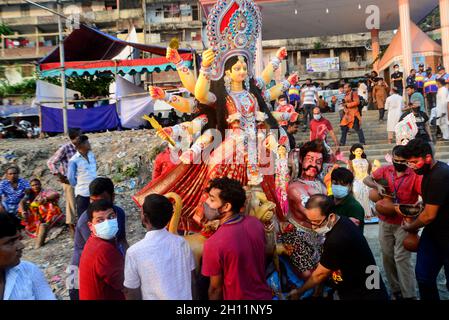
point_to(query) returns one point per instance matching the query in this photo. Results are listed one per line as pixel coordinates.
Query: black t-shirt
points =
(435, 191)
(291, 138)
(421, 120)
(347, 254)
(399, 76)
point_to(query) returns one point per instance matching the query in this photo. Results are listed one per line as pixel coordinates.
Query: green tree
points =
(88, 85)
(26, 88)
(5, 30)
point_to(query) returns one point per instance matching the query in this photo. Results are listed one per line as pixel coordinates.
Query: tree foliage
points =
(5, 30)
(26, 88)
(89, 86)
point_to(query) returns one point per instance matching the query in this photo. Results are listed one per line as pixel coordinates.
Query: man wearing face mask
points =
(101, 270)
(422, 121)
(234, 256)
(345, 203)
(433, 248)
(398, 79)
(284, 106)
(346, 255)
(320, 127)
(405, 186)
(101, 188)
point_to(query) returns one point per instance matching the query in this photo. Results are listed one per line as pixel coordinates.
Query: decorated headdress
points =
(233, 28)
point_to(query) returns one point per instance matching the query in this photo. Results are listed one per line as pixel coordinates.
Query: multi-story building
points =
(35, 30)
(353, 50)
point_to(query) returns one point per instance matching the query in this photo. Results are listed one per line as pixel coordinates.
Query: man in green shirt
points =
(416, 96)
(345, 203)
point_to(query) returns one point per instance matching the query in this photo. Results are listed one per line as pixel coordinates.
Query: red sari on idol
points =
(228, 159)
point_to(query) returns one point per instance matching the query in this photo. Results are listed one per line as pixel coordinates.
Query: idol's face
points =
(358, 152)
(239, 71)
(312, 164)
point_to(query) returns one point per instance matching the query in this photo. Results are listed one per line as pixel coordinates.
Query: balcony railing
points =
(94, 16)
(27, 45)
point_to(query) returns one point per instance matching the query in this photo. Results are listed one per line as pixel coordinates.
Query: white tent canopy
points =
(47, 92)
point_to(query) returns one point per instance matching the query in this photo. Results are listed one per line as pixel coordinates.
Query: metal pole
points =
(62, 59)
(62, 62)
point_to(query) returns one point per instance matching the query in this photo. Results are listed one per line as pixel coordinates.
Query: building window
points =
(357, 54)
(172, 11)
(195, 12)
(186, 10)
(25, 10)
(112, 4)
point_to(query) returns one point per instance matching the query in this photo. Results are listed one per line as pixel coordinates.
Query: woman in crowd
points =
(39, 206)
(12, 191)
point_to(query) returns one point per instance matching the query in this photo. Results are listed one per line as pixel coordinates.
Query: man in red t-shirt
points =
(234, 256)
(320, 127)
(405, 185)
(101, 269)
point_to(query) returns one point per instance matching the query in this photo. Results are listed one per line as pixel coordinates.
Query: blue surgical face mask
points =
(317, 116)
(339, 191)
(107, 229)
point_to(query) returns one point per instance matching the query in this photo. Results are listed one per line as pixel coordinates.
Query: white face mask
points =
(317, 116)
(107, 229)
(325, 229)
(283, 103)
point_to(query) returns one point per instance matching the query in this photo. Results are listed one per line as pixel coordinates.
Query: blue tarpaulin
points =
(88, 120)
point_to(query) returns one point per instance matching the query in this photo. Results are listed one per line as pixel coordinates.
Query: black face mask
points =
(399, 167)
(424, 170)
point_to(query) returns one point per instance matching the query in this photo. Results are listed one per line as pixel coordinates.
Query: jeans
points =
(381, 114)
(431, 101)
(308, 108)
(356, 127)
(429, 261)
(74, 294)
(81, 205)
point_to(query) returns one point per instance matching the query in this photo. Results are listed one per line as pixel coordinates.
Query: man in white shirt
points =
(161, 266)
(442, 108)
(394, 105)
(19, 280)
(362, 91)
(309, 98)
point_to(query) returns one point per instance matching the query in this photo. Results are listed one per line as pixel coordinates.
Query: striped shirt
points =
(309, 94)
(59, 161)
(430, 84)
(419, 78)
(26, 282)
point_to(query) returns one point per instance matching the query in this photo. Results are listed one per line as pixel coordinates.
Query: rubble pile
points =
(124, 156)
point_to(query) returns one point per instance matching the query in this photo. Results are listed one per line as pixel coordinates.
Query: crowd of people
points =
(327, 252)
(162, 265)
